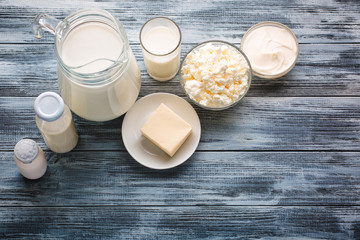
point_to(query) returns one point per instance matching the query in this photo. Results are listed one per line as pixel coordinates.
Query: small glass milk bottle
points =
(55, 122)
(30, 159)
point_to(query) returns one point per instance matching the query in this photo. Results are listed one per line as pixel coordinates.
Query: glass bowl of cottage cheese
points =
(215, 75)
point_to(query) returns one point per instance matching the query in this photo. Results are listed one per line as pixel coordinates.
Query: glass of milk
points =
(160, 39)
(98, 76)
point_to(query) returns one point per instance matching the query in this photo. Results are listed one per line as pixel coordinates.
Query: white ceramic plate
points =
(144, 151)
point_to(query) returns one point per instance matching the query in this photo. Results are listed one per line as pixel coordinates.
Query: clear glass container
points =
(216, 43)
(291, 36)
(55, 122)
(160, 39)
(102, 88)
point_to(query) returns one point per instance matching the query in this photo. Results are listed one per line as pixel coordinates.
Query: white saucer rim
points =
(168, 95)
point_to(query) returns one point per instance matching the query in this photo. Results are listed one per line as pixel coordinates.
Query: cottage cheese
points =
(215, 76)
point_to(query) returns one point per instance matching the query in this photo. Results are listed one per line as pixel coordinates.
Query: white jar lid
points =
(49, 106)
(26, 150)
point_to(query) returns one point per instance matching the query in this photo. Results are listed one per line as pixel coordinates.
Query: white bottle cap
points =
(49, 106)
(26, 150)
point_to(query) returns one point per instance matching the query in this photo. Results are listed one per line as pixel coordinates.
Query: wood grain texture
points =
(321, 70)
(283, 164)
(210, 178)
(254, 124)
(321, 21)
(197, 222)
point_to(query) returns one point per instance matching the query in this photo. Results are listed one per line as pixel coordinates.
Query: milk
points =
(161, 51)
(160, 40)
(60, 135)
(88, 43)
(90, 48)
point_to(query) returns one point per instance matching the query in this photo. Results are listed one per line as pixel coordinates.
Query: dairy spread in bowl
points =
(272, 49)
(215, 75)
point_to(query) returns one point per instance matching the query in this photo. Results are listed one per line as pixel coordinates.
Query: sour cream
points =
(271, 48)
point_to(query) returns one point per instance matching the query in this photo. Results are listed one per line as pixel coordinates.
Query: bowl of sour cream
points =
(272, 49)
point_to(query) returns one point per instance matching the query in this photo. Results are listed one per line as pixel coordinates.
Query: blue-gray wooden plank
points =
(321, 21)
(171, 222)
(321, 70)
(256, 123)
(312, 113)
(209, 178)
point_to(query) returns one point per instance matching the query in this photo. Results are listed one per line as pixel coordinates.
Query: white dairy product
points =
(60, 135)
(97, 46)
(215, 76)
(161, 50)
(272, 50)
(54, 120)
(160, 40)
(30, 159)
(166, 129)
(89, 42)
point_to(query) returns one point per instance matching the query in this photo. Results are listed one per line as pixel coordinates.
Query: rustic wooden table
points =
(284, 163)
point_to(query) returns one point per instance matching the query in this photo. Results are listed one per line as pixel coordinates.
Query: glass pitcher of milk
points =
(98, 76)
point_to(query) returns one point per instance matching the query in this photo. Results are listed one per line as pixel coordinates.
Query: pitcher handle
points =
(44, 22)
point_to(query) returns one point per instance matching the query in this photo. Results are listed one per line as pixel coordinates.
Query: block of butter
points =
(166, 129)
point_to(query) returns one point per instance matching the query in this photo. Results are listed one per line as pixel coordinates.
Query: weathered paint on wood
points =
(322, 21)
(321, 70)
(171, 222)
(210, 178)
(255, 124)
(282, 164)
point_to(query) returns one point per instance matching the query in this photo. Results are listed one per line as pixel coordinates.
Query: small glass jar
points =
(102, 88)
(30, 159)
(55, 122)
